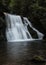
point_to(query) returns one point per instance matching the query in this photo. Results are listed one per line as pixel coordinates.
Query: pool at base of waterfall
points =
(21, 53)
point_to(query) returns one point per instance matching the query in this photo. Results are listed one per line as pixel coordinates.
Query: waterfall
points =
(17, 30)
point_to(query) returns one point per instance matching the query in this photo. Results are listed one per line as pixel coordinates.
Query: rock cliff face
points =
(2, 27)
(3, 9)
(35, 21)
(39, 25)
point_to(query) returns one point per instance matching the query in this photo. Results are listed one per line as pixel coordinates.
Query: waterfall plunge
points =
(17, 30)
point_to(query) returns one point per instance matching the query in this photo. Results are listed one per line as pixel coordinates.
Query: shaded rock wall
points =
(2, 27)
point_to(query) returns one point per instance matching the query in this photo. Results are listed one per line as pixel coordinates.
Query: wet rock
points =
(38, 59)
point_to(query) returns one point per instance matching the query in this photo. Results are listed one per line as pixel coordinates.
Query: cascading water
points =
(17, 30)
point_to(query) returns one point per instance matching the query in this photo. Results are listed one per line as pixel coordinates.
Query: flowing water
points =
(18, 31)
(20, 52)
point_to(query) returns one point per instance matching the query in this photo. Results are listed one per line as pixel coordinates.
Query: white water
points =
(17, 31)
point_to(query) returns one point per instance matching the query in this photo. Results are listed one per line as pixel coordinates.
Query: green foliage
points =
(29, 8)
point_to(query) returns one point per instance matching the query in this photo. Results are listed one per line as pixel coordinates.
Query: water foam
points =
(17, 31)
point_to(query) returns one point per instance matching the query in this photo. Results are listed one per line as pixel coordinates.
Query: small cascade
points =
(40, 35)
(17, 30)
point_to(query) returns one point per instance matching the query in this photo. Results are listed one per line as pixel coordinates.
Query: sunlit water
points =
(17, 30)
